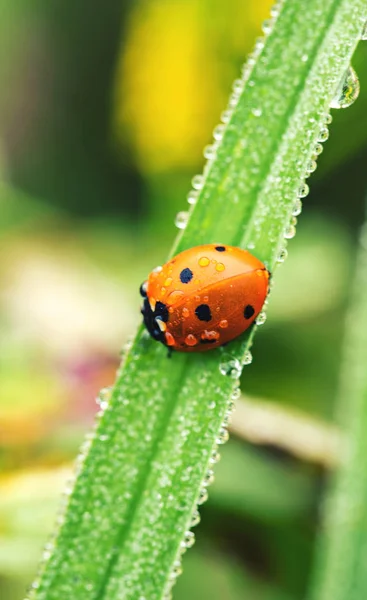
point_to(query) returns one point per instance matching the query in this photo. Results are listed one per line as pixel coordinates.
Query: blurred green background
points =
(104, 112)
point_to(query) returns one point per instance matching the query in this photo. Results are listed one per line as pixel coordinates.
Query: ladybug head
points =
(153, 319)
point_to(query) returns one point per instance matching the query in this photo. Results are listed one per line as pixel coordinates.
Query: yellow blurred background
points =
(104, 112)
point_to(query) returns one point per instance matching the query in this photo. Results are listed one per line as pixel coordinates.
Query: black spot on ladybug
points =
(249, 311)
(205, 341)
(203, 312)
(220, 248)
(161, 311)
(186, 275)
(143, 289)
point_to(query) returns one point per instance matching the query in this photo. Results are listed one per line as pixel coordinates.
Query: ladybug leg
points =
(169, 352)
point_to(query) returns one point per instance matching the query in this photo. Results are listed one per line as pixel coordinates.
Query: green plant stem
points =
(340, 572)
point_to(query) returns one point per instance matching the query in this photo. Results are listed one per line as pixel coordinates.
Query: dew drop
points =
(238, 86)
(247, 358)
(245, 70)
(347, 91)
(218, 132)
(176, 570)
(203, 496)
(214, 457)
(174, 297)
(189, 540)
(237, 392)
(181, 219)
(303, 190)
(226, 116)
(290, 232)
(311, 167)
(328, 119)
(297, 207)
(232, 102)
(267, 26)
(282, 255)
(204, 261)
(197, 182)
(275, 9)
(364, 32)
(191, 340)
(323, 134)
(209, 477)
(103, 397)
(210, 152)
(231, 367)
(192, 197)
(318, 149)
(261, 318)
(195, 519)
(223, 436)
(259, 44)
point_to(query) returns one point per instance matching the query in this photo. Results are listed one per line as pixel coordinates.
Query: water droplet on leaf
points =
(347, 91)
(261, 318)
(323, 134)
(210, 151)
(231, 367)
(226, 116)
(195, 519)
(303, 190)
(203, 496)
(318, 149)
(192, 196)
(218, 132)
(197, 182)
(247, 358)
(297, 207)
(282, 255)
(181, 219)
(209, 477)
(223, 436)
(189, 540)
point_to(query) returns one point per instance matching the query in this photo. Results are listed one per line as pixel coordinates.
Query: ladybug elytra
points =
(204, 297)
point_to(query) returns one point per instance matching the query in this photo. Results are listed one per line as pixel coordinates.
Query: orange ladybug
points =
(204, 297)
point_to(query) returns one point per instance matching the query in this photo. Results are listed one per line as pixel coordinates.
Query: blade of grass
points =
(340, 572)
(141, 475)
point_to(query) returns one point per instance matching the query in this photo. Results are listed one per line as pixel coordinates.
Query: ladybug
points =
(204, 297)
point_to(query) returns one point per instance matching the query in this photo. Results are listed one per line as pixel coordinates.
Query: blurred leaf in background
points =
(104, 111)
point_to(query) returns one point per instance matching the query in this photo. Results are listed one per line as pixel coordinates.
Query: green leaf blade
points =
(140, 481)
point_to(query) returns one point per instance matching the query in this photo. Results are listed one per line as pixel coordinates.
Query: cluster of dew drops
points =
(222, 437)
